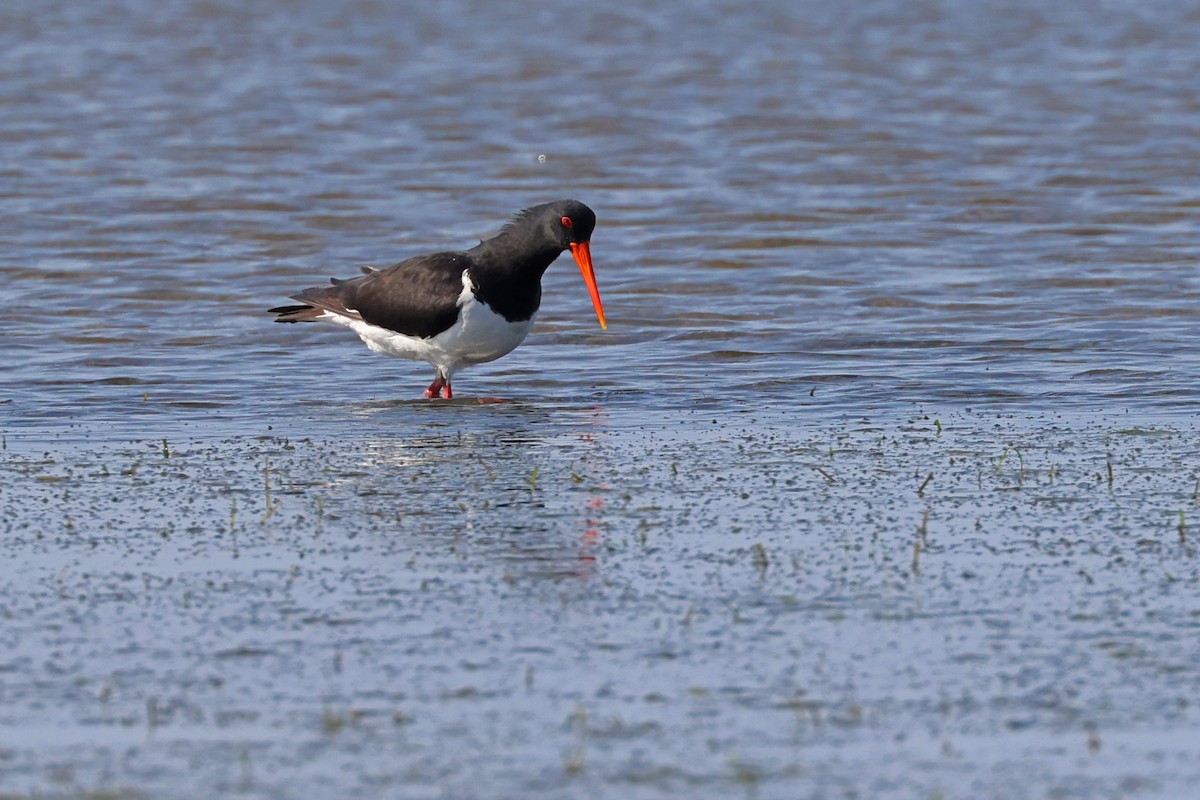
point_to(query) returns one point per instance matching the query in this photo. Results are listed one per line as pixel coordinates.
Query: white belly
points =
(479, 335)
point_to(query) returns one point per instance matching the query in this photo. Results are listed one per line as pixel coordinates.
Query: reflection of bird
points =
(455, 309)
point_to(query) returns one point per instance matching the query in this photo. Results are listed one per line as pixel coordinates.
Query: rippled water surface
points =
(841, 248)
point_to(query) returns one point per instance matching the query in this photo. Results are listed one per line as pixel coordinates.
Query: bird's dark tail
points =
(318, 301)
(296, 313)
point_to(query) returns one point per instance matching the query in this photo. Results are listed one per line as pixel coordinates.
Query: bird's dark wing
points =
(417, 297)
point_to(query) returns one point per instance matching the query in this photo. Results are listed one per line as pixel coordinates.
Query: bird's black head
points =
(575, 221)
(535, 237)
(575, 225)
(564, 222)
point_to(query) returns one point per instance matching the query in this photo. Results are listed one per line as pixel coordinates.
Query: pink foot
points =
(439, 388)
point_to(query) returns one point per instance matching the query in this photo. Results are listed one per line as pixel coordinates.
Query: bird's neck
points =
(508, 274)
(512, 258)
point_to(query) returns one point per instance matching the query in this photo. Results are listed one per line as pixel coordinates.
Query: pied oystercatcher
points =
(455, 309)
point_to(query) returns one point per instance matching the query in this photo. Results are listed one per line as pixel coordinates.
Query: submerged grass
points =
(610, 592)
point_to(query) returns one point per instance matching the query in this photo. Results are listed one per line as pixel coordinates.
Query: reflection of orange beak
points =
(583, 257)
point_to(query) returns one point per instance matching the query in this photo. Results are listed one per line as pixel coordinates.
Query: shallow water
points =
(895, 205)
(841, 250)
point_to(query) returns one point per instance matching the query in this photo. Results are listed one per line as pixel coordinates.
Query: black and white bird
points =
(455, 309)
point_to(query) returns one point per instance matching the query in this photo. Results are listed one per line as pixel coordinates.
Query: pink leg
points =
(435, 388)
(440, 388)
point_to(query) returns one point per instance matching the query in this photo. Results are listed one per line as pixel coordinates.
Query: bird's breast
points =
(481, 334)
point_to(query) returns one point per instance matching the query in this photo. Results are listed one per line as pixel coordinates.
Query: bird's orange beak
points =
(583, 257)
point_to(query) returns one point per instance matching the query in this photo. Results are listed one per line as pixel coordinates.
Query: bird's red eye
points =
(567, 223)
